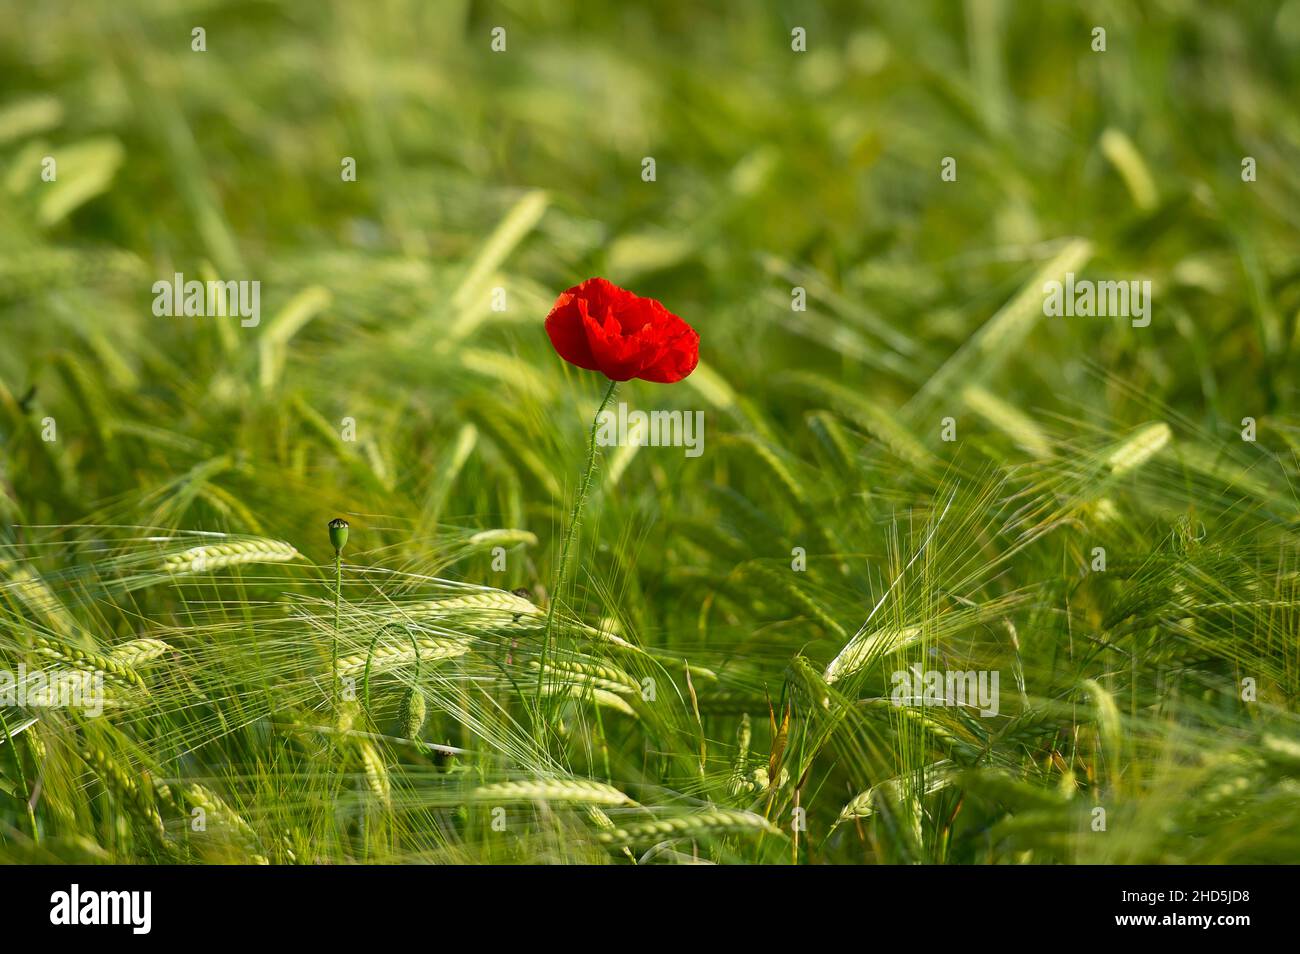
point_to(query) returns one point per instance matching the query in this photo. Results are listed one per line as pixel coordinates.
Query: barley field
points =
(960, 566)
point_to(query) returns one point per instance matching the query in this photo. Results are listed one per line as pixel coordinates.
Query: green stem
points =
(365, 680)
(583, 486)
(336, 684)
(334, 655)
(22, 779)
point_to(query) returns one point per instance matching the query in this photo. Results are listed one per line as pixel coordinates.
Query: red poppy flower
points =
(601, 327)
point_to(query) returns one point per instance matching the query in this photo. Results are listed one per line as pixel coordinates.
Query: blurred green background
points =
(522, 170)
(774, 169)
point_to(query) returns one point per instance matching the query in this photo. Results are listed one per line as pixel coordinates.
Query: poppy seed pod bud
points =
(339, 534)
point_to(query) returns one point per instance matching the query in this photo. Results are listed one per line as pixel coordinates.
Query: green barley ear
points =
(411, 714)
(338, 534)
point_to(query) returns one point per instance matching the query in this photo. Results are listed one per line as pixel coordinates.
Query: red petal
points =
(564, 326)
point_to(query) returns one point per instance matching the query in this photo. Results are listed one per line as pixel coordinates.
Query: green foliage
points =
(697, 694)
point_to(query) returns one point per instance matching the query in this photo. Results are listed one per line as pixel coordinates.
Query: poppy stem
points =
(334, 654)
(583, 486)
(28, 796)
